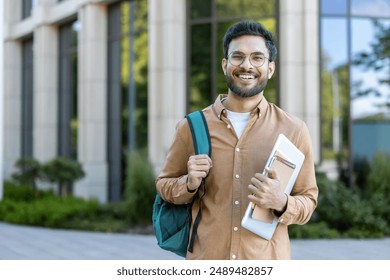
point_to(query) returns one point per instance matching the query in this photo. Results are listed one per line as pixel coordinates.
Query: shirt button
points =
(281, 220)
(228, 126)
(235, 228)
(237, 176)
(236, 202)
(234, 256)
(237, 149)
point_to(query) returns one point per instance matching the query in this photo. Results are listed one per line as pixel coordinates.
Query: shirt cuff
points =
(287, 216)
(184, 193)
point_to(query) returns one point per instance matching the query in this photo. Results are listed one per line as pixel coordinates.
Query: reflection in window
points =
(27, 98)
(206, 79)
(67, 100)
(368, 65)
(244, 8)
(370, 92)
(27, 6)
(335, 97)
(201, 75)
(201, 9)
(127, 59)
(371, 8)
(334, 7)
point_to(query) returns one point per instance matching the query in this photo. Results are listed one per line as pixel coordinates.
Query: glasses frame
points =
(245, 56)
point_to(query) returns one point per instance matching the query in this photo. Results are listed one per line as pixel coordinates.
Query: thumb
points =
(272, 173)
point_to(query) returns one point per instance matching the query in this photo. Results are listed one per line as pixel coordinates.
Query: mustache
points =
(242, 72)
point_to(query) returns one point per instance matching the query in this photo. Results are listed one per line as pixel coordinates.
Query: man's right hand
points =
(198, 167)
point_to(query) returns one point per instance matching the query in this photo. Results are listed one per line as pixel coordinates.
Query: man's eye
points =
(237, 57)
(257, 58)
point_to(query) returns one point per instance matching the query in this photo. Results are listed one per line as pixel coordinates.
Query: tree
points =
(29, 171)
(378, 60)
(64, 171)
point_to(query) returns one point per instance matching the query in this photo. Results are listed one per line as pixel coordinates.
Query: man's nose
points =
(246, 63)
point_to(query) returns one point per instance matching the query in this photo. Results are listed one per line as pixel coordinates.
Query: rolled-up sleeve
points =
(303, 198)
(171, 184)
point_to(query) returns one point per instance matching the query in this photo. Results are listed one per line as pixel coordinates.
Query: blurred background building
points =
(93, 79)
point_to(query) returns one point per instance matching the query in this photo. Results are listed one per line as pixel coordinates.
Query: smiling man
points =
(243, 128)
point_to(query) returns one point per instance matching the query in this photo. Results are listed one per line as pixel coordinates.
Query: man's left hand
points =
(266, 192)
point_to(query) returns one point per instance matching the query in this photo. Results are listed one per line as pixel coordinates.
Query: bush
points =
(21, 206)
(139, 188)
(29, 171)
(64, 171)
(313, 231)
(345, 210)
(378, 187)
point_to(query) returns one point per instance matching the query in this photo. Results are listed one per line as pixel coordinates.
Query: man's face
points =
(245, 80)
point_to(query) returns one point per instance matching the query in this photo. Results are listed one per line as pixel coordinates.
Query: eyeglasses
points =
(256, 59)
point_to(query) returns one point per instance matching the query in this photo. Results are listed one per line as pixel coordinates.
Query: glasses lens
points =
(237, 58)
(257, 60)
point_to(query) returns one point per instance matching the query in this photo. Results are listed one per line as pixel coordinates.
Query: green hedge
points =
(357, 212)
(24, 205)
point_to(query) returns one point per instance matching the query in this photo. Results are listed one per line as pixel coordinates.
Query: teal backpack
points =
(172, 222)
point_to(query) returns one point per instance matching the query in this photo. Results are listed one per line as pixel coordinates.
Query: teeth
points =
(246, 77)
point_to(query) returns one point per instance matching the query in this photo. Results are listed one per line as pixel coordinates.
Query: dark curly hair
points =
(250, 28)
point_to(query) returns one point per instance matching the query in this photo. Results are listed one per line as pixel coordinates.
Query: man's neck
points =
(242, 104)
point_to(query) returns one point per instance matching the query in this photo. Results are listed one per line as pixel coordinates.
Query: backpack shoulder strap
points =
(202, 145)
(200, 132)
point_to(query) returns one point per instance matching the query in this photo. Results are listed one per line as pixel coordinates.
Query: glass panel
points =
(335, 96)
(27, 98)
(67, 138)
(334, 7)
(370, 88)
(370, 92)
(221, 78)
(245, 8)
(200, 9)
(127, 87)
(200, 88)
(376, 8)
(26, 8)
(134, 60)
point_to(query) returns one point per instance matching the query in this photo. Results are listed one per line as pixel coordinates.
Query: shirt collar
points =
(220, 109)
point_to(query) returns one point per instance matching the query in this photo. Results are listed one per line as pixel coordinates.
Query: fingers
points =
(198, 167)
(265, 189)
(199, 163)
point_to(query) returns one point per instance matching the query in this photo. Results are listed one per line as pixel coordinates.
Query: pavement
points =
(34, 243)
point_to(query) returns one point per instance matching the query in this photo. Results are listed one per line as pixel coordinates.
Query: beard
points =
(242, 91)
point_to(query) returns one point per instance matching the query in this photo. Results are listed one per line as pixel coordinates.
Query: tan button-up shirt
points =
(235, 161)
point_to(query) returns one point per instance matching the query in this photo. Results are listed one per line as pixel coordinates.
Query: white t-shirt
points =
(239, 121)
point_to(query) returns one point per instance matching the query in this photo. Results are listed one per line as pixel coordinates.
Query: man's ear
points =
(271, 69)
(224, 65)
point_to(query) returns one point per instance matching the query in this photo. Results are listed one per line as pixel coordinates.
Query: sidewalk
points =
(33, 243)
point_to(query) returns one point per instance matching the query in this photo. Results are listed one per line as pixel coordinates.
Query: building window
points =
(27, 98)
(208, 22)
(27, 6)
(67, 99)
(355, 81)
(127, 87)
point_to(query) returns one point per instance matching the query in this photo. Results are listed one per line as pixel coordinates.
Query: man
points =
(243, 128)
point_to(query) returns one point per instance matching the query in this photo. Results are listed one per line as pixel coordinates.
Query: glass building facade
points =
(355, 76)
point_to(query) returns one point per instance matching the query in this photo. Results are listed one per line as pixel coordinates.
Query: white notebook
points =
(287, 160)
